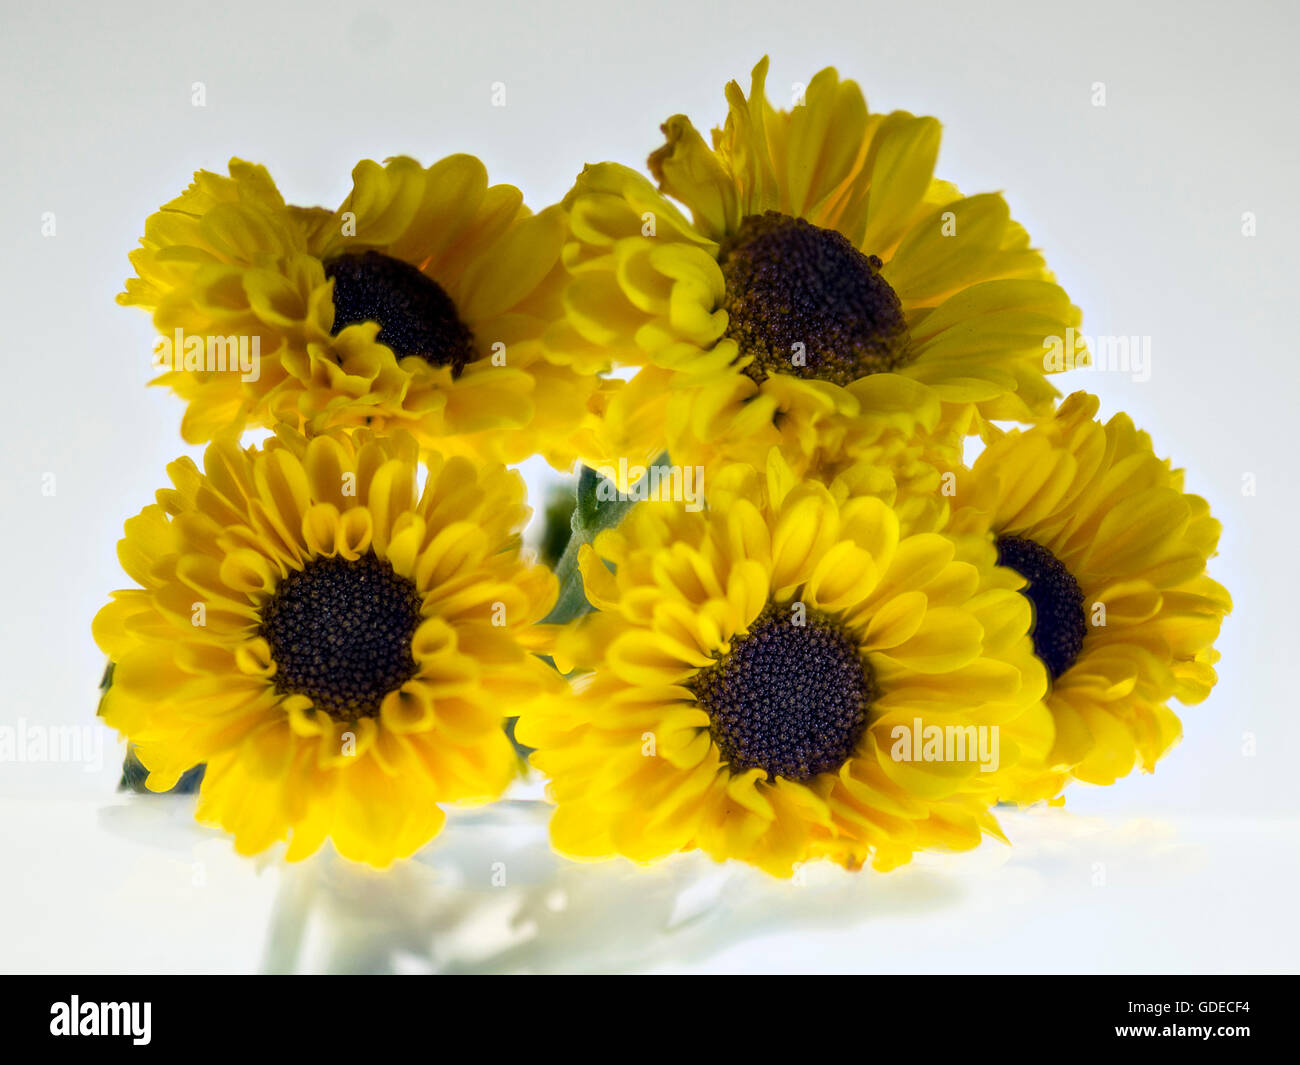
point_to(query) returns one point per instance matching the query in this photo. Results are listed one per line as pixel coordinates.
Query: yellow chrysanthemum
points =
(337, 645)
(824, 273)
(742, 686)
(912, 470)
(1115, 554)
(421, 303)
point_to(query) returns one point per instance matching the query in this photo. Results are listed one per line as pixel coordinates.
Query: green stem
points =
(591, 515)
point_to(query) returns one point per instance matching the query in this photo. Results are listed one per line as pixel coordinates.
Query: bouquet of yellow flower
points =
(783, 619)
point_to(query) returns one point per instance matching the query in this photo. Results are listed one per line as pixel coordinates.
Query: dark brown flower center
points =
(1060, 622)
(804, 301)
(788, 698)
(415, 316)
(340, 633)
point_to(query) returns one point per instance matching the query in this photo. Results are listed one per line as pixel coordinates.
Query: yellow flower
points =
(912, 470)
(1115, 554)
(420, 303)
(337, 646)
(752, 668)
(823, 274)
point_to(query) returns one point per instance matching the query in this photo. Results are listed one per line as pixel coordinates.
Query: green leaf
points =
(559, 525)
(597, 507)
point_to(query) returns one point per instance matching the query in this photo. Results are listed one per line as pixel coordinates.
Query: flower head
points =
(336, 644)
(1114, 552)
(744, 682)
(824, 276)
(421, 303)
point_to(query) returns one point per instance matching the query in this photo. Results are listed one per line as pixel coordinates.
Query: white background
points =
(1138, 205)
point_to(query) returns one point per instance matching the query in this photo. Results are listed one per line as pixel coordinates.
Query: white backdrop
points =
(1138, 204)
